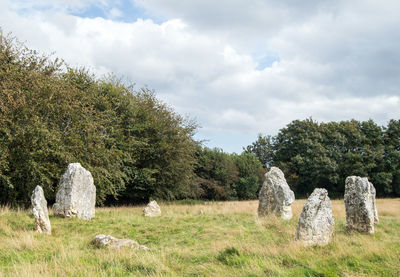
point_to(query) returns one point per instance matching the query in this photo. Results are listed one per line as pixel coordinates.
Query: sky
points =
(238, 68)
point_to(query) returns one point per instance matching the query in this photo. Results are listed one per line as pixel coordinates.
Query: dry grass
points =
(227, 239)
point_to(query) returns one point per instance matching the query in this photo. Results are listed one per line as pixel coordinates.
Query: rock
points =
(316, 222)
(359, 200)
(275, 195)
(39, 204)
(114, 243)
(76, 195)
(152, 209)
(376, 218)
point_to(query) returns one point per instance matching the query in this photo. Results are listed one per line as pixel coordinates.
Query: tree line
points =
(137, 148)
(313, 154)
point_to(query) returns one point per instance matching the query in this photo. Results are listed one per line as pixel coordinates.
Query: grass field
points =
(226, 240)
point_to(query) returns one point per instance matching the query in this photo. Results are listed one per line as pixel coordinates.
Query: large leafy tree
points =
(392, 157)
(50, 115)
(323, 155)
(262, 148)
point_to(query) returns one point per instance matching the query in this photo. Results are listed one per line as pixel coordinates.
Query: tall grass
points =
(227, 239)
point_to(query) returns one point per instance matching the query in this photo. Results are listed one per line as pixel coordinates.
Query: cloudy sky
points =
(237, 67)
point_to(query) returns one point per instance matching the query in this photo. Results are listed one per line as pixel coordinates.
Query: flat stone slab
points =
(114, 243)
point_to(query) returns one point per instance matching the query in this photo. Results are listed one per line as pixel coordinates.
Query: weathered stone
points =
(376, 217)
(316, 222)
(275, 196)
(152, 209)
(114, 243)
(76, 195)
(359, 200)
(39, 204)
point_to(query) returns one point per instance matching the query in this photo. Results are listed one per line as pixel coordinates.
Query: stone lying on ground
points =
(275, 196)
(316, 222)
(39, 204)
(76, 195)
(152, 209)
(359, 200)
(114, 243)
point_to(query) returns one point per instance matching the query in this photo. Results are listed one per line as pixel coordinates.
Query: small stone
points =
(39, 204)
(316, 222)
(275, 196)
(76, 195)
(152, 209)
(359, 200)
(114, 243)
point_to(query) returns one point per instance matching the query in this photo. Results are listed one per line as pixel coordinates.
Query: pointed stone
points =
(39, 204)
(316, 222)
(152, 209)
(76, 195)
(359, 199)
(275, 196)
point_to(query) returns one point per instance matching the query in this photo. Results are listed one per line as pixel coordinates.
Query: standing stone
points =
(275, 195)
(152, 209)
(316, 222)
(376, 218)
(359, 200)
(114, 243)
(39, 204)
(76, 194)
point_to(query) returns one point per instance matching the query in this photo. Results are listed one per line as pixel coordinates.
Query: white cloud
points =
(336, 61)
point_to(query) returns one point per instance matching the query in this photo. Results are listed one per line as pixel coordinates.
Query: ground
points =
(227, 239)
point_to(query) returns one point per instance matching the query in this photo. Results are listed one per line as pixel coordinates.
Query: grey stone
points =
(152, 209)
(76, 195)
(275, 196)
(39, 204)
(114, 243)
(359, 200)
(316, 222)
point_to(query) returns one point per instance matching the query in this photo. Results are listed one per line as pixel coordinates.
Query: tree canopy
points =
(322, 155)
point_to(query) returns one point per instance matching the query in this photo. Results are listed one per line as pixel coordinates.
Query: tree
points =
(250, 176)
(392, 156)
(262, 148)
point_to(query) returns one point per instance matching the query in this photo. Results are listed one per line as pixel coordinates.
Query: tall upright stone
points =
(316, 222)
(376, 217)
(275, 196)
(39, 209)
(76, 195)
(359, 200)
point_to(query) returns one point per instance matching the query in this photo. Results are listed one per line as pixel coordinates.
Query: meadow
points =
(225, 239)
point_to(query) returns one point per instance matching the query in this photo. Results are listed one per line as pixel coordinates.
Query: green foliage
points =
(323, 155)
(50, 115)
(224, 176)
(262, 148)
(217, 174)
(251, 174)
(392, 157)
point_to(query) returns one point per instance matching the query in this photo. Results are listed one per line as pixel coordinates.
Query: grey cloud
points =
(336, 61)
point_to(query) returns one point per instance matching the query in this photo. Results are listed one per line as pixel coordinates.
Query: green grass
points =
(226, 240)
